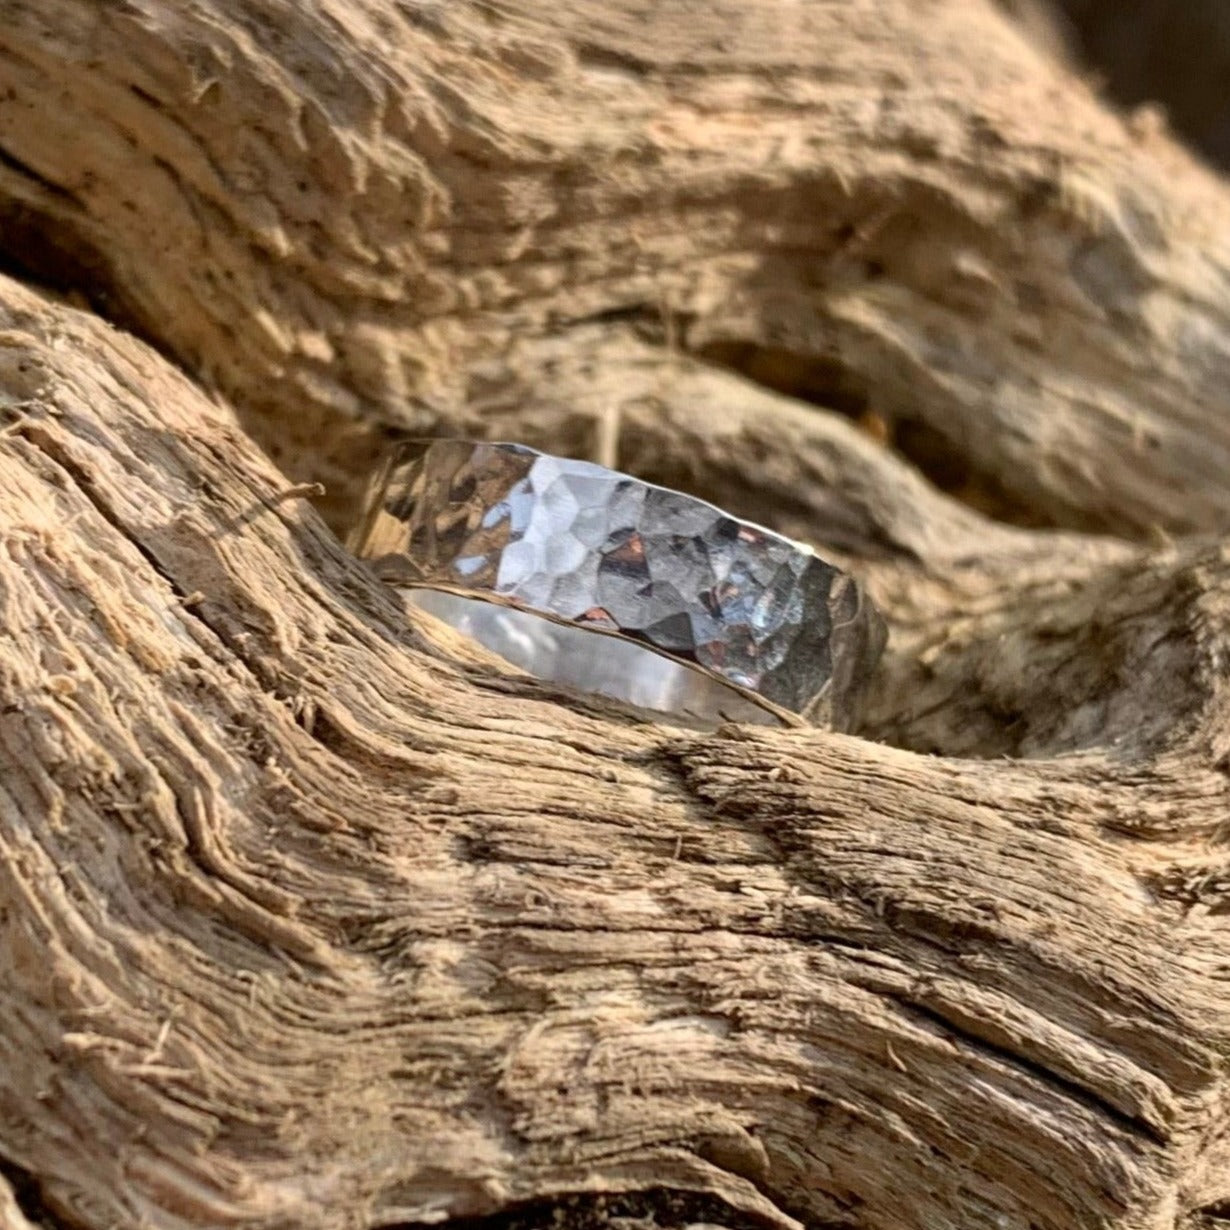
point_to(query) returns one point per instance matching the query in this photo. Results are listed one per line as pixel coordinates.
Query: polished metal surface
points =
(664, 600)
(611, 666)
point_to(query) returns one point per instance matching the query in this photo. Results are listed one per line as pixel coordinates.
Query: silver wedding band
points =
(590, 578)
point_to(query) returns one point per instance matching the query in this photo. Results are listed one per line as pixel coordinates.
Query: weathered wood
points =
(313, 917)
(330, 211)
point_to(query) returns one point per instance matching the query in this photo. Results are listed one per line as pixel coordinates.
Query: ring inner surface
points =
(589, 661)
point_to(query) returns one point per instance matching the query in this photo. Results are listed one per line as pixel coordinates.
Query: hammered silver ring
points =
(596, 580)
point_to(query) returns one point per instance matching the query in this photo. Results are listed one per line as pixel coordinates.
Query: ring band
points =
(695, 611)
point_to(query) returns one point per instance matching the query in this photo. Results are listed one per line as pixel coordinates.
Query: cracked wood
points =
(313, 914)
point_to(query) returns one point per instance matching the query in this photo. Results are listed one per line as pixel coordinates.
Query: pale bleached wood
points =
(310, 917)
(308, 926)
(339, 213)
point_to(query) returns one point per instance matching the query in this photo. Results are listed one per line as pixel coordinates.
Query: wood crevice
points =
(317, 916)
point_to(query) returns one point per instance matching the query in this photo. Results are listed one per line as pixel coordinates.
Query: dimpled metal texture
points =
(591, 547)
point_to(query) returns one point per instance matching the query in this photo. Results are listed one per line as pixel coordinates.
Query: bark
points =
(312, 914)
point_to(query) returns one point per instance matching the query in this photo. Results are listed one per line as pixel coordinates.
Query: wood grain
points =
(312, 914)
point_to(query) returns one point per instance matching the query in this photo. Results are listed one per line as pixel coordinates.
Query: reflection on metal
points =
(748, 614)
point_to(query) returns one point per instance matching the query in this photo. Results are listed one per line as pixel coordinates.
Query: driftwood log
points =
(312, 915)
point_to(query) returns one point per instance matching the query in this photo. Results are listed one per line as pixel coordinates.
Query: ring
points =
(590, 578)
